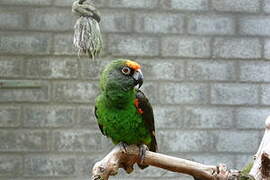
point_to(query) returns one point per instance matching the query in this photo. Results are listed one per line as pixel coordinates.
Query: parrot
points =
(123, 112)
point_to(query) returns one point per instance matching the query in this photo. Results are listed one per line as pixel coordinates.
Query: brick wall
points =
(207, 73)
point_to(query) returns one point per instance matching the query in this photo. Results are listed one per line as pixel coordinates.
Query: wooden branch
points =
(119, 158)
(261, 167)
(126, 158)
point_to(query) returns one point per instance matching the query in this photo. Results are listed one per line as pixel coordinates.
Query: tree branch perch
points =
(118, 158)
(126, 158)
(261, 166)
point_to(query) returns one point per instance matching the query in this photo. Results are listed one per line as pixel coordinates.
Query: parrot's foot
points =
(143, 148)
(123, 146)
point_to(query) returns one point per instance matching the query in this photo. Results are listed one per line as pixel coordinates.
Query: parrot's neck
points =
(119, 98)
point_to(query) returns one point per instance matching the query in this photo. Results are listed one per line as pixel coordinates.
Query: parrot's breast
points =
(122, 125)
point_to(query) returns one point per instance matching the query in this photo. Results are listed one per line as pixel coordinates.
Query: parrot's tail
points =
(153, 145)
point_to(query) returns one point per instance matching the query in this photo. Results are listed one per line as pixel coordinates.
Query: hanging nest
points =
(87, 36)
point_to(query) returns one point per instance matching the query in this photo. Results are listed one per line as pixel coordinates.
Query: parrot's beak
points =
(138, 77)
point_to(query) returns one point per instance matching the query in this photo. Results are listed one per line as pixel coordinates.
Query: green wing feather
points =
(99, 125)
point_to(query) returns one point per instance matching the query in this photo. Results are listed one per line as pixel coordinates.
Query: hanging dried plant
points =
(87, 36)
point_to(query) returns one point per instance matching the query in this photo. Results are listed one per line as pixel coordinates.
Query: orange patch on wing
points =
(136, 103)
(133, 65)
(140, 111)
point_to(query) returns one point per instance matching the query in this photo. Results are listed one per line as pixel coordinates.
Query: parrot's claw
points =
(123, 146)
(143, 148)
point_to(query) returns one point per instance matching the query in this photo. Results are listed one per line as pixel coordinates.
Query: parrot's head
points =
(122, 75)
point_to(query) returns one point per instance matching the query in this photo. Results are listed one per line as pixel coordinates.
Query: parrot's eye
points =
(126, 70)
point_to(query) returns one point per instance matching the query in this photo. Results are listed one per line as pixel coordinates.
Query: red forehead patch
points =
(133, 65)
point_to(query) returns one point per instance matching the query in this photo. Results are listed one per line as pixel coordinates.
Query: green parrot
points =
(123, 112)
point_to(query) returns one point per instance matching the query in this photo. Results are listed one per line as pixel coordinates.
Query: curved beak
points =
(138, 77)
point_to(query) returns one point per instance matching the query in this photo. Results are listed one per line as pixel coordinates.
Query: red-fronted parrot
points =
(123, 112)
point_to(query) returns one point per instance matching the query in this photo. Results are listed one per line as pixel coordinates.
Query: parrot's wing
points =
(145, 108)
(99, 125)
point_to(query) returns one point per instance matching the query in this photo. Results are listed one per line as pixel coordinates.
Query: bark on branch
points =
(261, 166)
(118, 158)
(126, 158)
